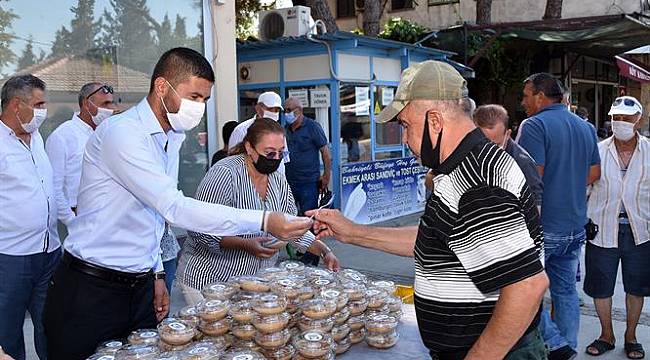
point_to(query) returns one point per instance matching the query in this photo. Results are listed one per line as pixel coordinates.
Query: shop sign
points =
(320, 98)
(301, 95)
(381, 190)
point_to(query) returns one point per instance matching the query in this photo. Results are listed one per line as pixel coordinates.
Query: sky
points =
(42, 18)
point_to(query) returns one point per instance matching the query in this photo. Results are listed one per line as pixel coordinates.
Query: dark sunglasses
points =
(627, 102)
(105, 89)
(273, 155)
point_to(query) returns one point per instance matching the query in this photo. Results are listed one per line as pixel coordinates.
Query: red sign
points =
(632, 71)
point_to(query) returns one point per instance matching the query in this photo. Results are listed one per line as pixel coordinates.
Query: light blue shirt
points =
(129, 189)
(27, 205)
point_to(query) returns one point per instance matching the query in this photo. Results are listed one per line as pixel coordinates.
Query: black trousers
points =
(81, 311)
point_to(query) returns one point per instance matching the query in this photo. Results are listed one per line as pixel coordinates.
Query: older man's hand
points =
(331, 223)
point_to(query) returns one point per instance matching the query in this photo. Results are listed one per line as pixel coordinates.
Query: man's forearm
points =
(398, 241)
(515, 310)
(327, 160)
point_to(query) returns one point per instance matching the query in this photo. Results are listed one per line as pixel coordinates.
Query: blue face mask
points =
(290, 118)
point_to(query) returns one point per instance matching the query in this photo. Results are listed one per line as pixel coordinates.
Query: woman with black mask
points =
(247, 180)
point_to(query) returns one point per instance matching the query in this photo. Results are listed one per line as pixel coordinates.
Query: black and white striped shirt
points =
(202, 260)
(479, 233)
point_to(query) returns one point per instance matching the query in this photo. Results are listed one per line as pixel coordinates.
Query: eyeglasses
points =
(273, 154)
(627, 102)
(105, 89)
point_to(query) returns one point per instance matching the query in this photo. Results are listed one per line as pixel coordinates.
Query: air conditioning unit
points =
(293, 21)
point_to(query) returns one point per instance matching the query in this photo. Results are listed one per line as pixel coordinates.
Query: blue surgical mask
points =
(290, 118)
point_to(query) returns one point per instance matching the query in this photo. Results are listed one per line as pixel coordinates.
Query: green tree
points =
(84, 28)
(27, 58)
(245, 11)
(6, 37)
(61, 44)
(132, 33)
(403, 30)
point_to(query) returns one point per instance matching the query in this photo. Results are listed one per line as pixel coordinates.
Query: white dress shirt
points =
(239, 132)
(27, 204)
(612, 190)
(129, 189)
(65, 148)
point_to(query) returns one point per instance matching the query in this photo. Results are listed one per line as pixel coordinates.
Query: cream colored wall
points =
(443, 16)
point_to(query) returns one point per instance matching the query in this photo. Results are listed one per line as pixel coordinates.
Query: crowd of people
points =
(505, 221)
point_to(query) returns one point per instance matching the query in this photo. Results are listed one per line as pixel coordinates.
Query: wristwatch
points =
(159, 275)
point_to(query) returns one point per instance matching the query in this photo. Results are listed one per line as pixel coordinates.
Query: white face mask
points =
(37, 119)
(189, 114)
(623, 130)
(272, 115)
(102, 114)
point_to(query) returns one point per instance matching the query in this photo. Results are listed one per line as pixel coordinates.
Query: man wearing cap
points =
(565, 150)
(479, 278)
(619, 203)
(269, 105)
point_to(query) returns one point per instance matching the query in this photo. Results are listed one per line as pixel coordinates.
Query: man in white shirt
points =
(269, 105)
(29, 242)
(110, 281)
(65, 146)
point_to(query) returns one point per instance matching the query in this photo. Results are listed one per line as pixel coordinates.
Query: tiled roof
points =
(70, 73)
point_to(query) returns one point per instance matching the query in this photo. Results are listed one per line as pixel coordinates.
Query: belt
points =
(103, 273)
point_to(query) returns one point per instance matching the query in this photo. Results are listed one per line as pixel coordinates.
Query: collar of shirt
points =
(151, 125)
(552, 107)
(458, 155)
(79, 123)
(12, 134)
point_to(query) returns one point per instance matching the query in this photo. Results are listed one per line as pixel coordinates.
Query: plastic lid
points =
(359, 319)
(219, 291)
(387, 285)
(274, 339)
(253, 283)
(281, 353)
(313, 343)
(269, 304)
(321, 282)
(352, 275)
(175, 326)
(144, 336)
(169, 355)
(281, 318)
(212, 310)
(321, 273)
(242, 355)
(324, 325)
(202, 350)
(337, 295)
(110, 347)
(382, 340)
(272, 273)
(339, 332)
(394, 303)
(137, 351)
(380, 323)
(318, 308)
(101, 357)
(342, 315)
(293, 266)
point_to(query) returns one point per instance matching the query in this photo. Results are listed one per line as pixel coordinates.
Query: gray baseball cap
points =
(428, 80)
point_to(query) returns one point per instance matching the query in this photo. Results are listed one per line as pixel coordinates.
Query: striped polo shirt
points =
(479, 233)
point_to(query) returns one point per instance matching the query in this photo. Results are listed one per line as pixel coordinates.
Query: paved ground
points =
(401, 270)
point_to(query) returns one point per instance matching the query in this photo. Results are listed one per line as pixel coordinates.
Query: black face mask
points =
(429, 156)
(265, 165)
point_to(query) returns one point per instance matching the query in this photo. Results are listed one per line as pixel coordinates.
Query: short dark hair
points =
(547, 84)
(227, 130)
(20, 86)
(179, 64)
(487, 116)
